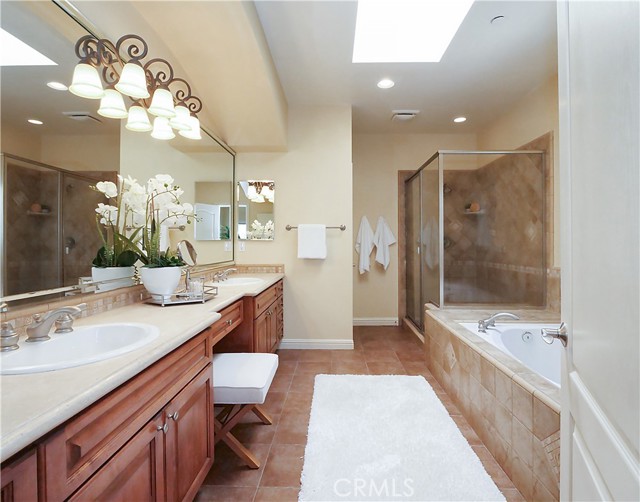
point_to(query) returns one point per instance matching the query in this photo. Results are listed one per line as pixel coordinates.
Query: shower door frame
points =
(440, 156)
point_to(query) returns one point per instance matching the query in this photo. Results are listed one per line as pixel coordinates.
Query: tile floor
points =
(280, 447)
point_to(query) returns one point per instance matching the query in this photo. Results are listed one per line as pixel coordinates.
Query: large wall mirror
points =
(48, 224)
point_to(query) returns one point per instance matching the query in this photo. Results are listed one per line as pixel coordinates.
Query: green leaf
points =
(127, 258)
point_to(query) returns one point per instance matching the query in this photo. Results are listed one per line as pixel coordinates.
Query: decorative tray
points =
(184, 297)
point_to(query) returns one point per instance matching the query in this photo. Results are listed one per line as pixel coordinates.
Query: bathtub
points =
(524, 342)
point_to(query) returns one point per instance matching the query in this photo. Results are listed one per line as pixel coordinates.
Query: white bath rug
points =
(387, 438)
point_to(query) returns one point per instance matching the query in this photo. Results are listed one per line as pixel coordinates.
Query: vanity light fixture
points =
(58, 86)
(459, 120)
(386, 83)
(35, 121)
(103, 73)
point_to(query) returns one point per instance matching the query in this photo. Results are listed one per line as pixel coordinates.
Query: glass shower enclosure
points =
(475, 231)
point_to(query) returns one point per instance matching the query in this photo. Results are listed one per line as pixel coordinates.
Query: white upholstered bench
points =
(240, 383)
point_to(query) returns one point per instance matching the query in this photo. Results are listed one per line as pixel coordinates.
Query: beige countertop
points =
(34, 404)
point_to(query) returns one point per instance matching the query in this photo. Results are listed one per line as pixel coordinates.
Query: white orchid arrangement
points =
(260, 231)
(130, 224)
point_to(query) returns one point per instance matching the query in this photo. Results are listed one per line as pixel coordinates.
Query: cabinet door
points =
(20, 479)
(279, 314)
(189, 438)
(261, 330)
(136, 472)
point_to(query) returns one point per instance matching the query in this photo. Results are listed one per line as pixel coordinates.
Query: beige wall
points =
(313, 185)
(82, 152)
(17, 142)
(377, 158)
(530, 118)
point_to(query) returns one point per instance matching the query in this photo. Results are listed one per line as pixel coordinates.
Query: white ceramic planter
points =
(161, 282)
(108, 273)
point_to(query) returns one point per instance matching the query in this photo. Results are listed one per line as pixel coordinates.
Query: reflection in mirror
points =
(255, 200)
(73, 148)
(213, 222)
(187, 252)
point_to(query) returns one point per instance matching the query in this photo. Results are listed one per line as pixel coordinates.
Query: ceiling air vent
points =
(82, 116)
(404, 115)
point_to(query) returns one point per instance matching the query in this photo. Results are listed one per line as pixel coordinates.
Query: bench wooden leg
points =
(227, 419)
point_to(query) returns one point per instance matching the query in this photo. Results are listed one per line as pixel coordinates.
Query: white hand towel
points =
(364, 245)
(312, 241)
(383, 238)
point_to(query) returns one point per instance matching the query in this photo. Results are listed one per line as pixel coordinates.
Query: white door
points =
(599, 53)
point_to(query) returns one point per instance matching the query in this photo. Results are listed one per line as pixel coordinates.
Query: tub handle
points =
(550, 334)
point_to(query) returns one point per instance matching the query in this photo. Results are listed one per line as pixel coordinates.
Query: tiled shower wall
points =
(499, 254)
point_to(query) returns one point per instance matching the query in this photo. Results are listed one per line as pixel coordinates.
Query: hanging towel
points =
(383, 238)
(312, 241)
(364, 245)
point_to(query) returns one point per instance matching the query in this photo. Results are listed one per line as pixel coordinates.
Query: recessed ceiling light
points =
(16, 53)
(458, 120)
(406, 31)
(35, 121)
(386, 83)
(57, 86)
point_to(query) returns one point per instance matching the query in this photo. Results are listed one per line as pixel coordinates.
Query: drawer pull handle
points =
(164, 428)
(173, 416)
(230, 322)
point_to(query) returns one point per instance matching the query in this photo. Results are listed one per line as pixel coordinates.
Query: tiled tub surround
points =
(34, 404)
(514, 411)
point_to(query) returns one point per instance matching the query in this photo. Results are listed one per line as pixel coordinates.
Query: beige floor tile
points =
(316, 368)
(225, 493)
(276, 494)
(385, 368)
(228, 469)
(284, 466)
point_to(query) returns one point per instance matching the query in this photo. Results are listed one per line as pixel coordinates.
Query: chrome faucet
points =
(483, 324)
(39, 329)
(223, 275)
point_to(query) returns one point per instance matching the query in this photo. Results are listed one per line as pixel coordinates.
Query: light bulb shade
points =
(112, 105)
(138, 120)
(181, 121)
(86, 82)
(251, 192)
(162, 129)
(162, 103)
(133, 81)
(194, 129)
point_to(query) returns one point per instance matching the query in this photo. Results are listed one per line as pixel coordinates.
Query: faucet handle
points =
(64, 324)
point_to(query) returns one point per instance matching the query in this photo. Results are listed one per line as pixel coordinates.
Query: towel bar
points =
(341, 227)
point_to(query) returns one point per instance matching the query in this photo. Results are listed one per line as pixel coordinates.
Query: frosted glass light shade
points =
(181, 120)
(194, 129)
(86, 82)
(133, 81)
(251, 192)
(138, 120)
(112, 105)
(162, 129)
(162, 103)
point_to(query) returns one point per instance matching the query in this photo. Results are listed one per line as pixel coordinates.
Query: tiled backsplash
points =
(21, 316)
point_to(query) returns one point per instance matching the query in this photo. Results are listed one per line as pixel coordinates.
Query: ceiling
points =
(484, 71)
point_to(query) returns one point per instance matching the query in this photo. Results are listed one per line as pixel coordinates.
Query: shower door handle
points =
(69, 244)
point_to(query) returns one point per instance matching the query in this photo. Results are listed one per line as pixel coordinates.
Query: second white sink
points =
(240, 281)
(84, 345)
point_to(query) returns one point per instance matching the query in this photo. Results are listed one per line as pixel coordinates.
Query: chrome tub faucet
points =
(39, 329)
(483, 324)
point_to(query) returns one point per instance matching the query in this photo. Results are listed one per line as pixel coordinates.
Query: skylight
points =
(14, 52)
(406, 31)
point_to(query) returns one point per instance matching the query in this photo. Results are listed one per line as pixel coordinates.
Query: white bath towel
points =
(364, 245)
(312, 241)
(383, 239)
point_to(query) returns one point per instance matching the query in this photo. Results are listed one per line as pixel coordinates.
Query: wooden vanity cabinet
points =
(19, 477)
(263, 326)
(150, 439)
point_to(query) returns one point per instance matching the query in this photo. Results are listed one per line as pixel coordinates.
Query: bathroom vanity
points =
(139, 426)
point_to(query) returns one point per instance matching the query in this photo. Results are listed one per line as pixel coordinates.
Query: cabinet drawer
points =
(264, 299)
(76, 450)
(230, 320)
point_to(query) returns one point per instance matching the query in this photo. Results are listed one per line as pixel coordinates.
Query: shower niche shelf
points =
(466, 211)
(40, 213)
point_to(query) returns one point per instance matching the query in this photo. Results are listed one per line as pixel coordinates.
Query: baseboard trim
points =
(316, 343)
(375, 321)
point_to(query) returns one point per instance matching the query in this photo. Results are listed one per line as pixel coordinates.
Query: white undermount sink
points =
(84, 345)
(240, 281)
